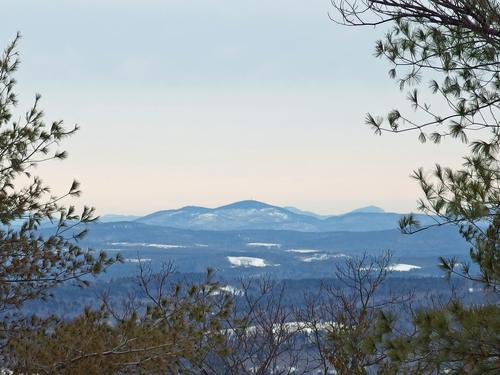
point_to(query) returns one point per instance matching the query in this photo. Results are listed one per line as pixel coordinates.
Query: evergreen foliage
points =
(457, 44)
(171, 331)
(30, 264)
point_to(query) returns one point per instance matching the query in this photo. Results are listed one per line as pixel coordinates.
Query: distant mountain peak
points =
(368, 210)
(298, 211)
(193, 208)
(108, 218)
(245, 205)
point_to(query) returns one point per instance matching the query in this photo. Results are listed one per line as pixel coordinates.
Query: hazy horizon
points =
(206, 103)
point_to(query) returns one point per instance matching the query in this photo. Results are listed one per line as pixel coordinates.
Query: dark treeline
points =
(68, 301)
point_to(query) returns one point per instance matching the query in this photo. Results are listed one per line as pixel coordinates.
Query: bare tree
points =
(262, 334)
(342, 317)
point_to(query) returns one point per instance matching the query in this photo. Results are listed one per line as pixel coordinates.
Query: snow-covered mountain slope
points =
(239, 215)
(252, 214)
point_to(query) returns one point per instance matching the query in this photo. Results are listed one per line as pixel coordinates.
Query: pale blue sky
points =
(206, 102)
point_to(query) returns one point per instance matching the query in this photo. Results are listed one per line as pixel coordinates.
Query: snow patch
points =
(263, 244)
(276, 214)
(401, 267)
(229, 289)
(136, 260)
(143, 244)
(206, 217)
(315, 258)
(291, 327)
(302, 251)
(247, 262)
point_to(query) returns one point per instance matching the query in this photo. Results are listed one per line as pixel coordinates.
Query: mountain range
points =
(254, 215)
(251, 238)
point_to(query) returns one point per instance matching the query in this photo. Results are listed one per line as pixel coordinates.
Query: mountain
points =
(113, 218)
(296, 210)
(247, 214)
(246, 205)
(368, 210)
(366, 221)
(250, 214)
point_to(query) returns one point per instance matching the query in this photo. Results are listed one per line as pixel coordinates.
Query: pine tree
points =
(31, 263)
(457, 42)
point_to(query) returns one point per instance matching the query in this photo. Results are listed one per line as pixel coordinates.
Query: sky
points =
(206, 102)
